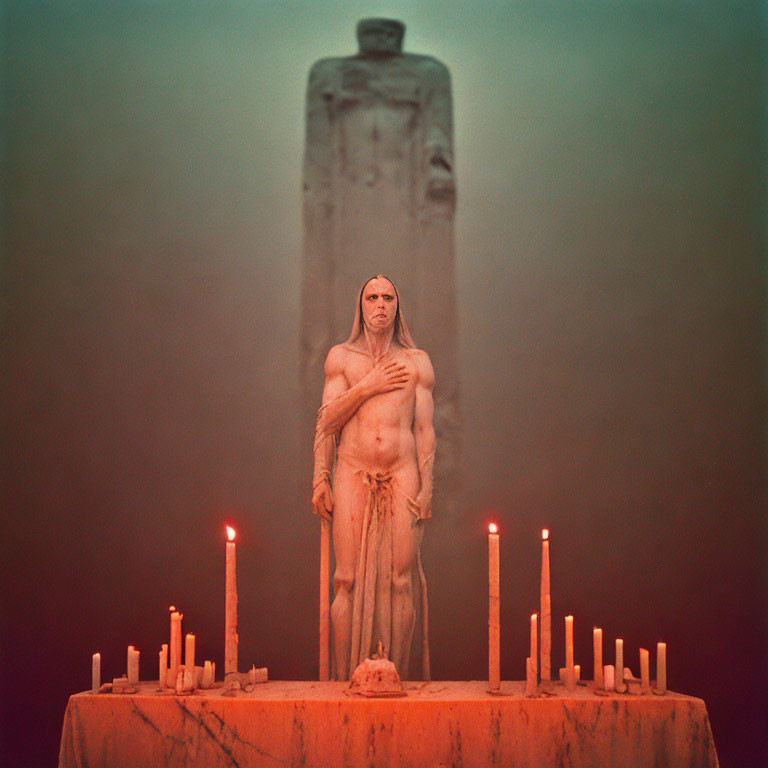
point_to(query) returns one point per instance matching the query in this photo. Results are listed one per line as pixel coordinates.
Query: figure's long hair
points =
(401, 333)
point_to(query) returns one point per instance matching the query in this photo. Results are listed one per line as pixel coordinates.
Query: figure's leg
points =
(407, 538)
(349, 496)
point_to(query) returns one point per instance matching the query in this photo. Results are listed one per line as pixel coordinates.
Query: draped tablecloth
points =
(436, 724)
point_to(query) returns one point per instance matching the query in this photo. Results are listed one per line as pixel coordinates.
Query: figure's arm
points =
(325, 442)
(424, 434)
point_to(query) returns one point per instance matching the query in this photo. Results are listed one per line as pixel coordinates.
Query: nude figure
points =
(374, 452)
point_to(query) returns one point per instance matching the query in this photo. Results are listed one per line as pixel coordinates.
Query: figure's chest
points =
(360, 365)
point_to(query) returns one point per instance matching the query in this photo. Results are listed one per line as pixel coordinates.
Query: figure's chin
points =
(378, 327)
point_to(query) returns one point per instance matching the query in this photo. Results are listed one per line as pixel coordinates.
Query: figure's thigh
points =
(349, 499)
(406, 530)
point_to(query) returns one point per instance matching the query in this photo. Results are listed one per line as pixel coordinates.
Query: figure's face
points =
(379, 39)
(379, 305)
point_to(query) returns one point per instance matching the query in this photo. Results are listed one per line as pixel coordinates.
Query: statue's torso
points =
(379, 436)
(376, 107)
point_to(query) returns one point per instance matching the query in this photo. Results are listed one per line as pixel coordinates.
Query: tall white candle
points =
(163, 664)
(534, 643)
(96, 671)
(645, 677)
(661, 667)
(175, 648)
(230, 606)
(545, 610)
(619, 666)
(494, 664)
(597, 646)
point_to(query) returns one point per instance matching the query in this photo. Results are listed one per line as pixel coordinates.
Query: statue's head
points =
(380, 305)
(380, 37)
(378, 309)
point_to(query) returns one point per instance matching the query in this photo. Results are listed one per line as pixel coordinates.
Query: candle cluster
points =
(613, 677)
(185, 676)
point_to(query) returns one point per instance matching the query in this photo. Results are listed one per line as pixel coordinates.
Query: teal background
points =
(610, 241)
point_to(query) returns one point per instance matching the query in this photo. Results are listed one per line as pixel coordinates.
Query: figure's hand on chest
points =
(386, 375)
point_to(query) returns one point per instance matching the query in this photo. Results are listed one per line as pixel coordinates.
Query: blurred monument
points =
(379, 196)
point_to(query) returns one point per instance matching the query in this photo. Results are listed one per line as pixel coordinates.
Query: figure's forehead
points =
(379, 285)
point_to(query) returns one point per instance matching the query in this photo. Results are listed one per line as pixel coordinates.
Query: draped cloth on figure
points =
(372, 602)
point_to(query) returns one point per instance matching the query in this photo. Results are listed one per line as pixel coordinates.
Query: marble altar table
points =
(436, 724)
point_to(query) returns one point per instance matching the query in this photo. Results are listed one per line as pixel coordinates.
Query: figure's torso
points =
(379, 436)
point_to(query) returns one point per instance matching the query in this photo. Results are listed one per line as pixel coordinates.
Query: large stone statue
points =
(379, 191)
(374, 453)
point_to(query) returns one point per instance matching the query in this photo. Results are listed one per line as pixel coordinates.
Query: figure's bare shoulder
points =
(336, 360)
(423, 365)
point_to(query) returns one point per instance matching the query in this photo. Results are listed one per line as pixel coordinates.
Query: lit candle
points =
(230, 606)
(597, 646)
(619, 666)
(96, 671)
(661, 667)
(494, 668)
(175, 647)
(546, 610)
(163, 664)
(645, 677)
(534, 643)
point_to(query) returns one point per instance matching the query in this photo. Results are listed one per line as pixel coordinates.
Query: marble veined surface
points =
(436, 724)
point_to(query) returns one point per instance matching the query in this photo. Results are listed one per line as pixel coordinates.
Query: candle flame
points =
(534, 616)
(172, 608)
(230, 533)
(545, 534)
(493, 528)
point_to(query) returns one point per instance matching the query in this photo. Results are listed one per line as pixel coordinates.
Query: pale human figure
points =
(378, 178)
(374, 452)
